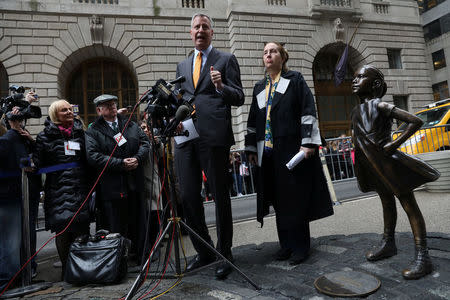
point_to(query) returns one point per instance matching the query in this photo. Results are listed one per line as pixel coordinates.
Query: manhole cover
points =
(347, 284)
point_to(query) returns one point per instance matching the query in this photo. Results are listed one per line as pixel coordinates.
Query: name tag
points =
(120, 139)
(282, 85)
(67, 150)
(74, 145)
(261, 98)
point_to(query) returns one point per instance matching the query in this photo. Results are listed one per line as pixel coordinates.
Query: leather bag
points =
(100, 259)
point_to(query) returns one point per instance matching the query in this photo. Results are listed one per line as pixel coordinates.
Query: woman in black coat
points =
(281, 122)
(61, 144)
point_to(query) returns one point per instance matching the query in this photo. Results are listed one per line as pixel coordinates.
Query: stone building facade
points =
(436, 23)
(70, 48)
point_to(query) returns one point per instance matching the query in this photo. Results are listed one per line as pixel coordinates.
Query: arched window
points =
(100, 76)
(3, 81)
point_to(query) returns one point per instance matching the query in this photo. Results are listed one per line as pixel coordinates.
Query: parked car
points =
(434, 135)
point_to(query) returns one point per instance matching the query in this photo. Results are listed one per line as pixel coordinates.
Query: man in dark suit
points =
(118, 192)
(213, 78)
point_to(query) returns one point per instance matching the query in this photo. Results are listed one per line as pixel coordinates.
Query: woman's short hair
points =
(379, 91)
(54, 108)
(284, 54)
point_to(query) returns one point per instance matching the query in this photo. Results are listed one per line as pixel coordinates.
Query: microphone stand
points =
(178, 223)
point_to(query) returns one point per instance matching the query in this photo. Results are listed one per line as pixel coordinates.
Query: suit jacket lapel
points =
(212, 58)
(104, 128)
(276, 99)
(187, 69)
(280, 91)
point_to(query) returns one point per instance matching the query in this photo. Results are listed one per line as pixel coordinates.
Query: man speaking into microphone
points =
(213, 78)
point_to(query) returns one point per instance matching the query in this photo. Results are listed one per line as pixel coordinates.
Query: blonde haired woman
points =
(62, 145)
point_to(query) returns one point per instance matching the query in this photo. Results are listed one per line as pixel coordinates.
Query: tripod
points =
(177, 222)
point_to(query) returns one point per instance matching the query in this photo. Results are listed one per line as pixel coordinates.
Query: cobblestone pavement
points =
(279, 280)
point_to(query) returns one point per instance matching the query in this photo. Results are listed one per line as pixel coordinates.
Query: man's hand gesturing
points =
(216, 78)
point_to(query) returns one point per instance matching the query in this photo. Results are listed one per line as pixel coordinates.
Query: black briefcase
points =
(101, 258)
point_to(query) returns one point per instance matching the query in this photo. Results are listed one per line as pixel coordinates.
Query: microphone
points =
(178, 80)
(182, 113)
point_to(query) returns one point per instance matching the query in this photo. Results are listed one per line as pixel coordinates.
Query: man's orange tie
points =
(197, 68)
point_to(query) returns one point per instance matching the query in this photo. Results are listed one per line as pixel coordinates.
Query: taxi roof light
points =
(437, 103)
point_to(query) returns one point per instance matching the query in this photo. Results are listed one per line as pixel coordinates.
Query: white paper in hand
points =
(295, 160)
(188, 126)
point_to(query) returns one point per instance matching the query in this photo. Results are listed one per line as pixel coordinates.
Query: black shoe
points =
(297, 258)
(283, 254)
(223, 270)
(198, 262)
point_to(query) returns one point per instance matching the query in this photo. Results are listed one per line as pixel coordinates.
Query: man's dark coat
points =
(211, 150)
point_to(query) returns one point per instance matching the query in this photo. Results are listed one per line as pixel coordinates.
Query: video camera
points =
(26, 110)
(164, 103)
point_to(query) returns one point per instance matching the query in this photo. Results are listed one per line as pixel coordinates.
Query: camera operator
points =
(118, 200)
(15, 145)
(24, 109)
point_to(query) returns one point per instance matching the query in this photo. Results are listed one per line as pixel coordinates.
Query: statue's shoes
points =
(386, 249)
(421, 266)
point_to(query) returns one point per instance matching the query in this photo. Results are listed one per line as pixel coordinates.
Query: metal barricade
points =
(339, 156)
(241, 174)
(436, 138)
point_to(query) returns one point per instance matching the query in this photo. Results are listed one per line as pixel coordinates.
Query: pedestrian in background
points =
(281, 122)
(62, 142)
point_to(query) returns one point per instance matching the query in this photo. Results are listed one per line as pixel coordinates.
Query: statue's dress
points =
(375, 170)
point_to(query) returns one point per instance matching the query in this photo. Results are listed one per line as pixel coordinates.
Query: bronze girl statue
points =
(380, 167)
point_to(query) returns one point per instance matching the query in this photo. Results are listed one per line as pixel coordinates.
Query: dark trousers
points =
(10, 238)
(190, 159)
(292, 226)
(63, 242)
(125, 216)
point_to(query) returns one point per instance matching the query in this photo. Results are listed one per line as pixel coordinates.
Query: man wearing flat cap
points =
(119, 208)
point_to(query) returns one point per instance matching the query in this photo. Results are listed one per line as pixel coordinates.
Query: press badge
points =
(120, 140)
(67, 150)
(282, 85)
(74, 145)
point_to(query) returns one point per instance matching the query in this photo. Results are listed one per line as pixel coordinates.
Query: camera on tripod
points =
(166, 106)
(26, 110)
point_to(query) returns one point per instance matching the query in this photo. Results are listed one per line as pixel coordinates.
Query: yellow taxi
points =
(434, 135)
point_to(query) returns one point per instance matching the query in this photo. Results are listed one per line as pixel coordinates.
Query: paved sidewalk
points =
(279, 280)
(331, 251)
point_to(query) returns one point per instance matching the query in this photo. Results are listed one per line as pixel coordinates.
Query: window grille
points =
(381, 8)
(97, 1)
(276, 2)
(337, 3)
(193, 3)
